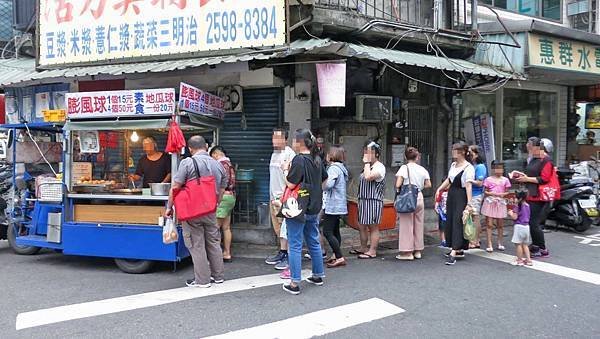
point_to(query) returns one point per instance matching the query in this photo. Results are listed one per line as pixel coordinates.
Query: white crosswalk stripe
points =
(137, 301)
(588, 277)
(321, 322)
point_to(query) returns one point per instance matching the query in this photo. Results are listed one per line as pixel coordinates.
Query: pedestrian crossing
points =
(588, 277)
(321, 322)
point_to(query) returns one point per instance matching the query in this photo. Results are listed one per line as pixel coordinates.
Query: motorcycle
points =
(577, 204)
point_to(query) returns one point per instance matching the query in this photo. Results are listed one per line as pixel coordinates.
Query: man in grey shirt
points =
(201, 235)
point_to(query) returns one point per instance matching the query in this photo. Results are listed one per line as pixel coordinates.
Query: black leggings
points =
(331, 231)
(539, 212)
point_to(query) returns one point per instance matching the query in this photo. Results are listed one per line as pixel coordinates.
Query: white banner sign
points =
(192, 99)
(332, 85)
(479, 130)
(73, 31)
(121, 103)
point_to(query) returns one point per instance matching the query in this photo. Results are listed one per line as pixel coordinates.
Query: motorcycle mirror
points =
(593, 158)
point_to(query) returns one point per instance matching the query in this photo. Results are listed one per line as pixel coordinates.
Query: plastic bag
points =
(469, 229)
(170, 234)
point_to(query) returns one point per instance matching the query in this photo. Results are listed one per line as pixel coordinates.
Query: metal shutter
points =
(252, 148)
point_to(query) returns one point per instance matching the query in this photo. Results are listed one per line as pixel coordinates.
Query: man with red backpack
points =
(228, 202)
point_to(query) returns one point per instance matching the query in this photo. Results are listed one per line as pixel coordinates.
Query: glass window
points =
(526, 114)
(549, 9)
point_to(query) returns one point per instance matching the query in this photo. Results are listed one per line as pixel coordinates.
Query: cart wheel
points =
(134, 266)
(22, 250)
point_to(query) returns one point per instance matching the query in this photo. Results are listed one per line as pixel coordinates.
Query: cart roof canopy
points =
(192, 121)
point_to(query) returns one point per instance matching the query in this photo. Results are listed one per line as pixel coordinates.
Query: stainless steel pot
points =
(161, 189)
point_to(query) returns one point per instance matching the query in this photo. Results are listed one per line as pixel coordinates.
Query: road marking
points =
(321, 322)
(137, 301)
(589, 277)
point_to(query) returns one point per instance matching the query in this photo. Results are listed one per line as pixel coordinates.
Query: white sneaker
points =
(193, 283)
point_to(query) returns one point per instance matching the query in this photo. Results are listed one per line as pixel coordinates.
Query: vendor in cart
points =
(154, 166)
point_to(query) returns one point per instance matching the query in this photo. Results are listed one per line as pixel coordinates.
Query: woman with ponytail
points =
(306, 171)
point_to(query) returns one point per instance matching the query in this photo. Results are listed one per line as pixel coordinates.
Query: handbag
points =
(294, 201)
(197, 197)
(550, 191)
(406, 197)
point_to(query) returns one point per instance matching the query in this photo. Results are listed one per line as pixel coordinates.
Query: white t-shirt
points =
(418, 174)
(379, 169)
(468, 175)
(277, 178)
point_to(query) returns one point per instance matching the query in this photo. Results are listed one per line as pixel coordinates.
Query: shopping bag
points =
(406, 198)
(170, 234)
(197, 198)
(469, 229)
(550, 191)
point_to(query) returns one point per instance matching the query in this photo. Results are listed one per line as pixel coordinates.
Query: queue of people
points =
(308, 190)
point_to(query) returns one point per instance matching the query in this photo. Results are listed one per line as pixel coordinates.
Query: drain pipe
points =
(474, 15)
(447, 115)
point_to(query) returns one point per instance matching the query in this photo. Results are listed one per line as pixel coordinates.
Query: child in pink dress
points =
(494, 204)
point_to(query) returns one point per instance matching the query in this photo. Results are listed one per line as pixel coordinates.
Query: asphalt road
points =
(478, 297)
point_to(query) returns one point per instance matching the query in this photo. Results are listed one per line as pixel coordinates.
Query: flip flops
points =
(366, 256)
(357, 252)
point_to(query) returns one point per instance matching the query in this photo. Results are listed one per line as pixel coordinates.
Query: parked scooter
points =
(577, 204)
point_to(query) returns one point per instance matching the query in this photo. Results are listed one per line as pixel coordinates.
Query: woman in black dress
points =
(458, 183)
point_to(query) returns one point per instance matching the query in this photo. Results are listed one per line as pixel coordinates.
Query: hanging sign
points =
(479, 130)
(331, 79)
(194, 100)
(556, 53)
(73, 31)
(142, 102)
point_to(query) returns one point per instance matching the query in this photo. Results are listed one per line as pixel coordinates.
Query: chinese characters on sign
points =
(74, 31)
(192, 99)
(121, 103)
(545, 51)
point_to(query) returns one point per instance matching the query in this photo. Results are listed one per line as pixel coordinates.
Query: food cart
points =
(83, 203)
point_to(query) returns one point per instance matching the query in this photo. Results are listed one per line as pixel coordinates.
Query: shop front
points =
(554, 60)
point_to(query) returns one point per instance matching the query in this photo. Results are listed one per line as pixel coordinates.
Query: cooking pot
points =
(161, 189)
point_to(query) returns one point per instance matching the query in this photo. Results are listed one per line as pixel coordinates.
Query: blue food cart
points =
(72, 191)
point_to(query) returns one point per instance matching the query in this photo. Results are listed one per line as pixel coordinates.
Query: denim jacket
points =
(334, 195)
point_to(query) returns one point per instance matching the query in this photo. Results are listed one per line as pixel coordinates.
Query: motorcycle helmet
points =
(547, 144)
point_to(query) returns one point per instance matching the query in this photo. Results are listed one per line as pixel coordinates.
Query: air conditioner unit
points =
(232, 97)
(373, 108)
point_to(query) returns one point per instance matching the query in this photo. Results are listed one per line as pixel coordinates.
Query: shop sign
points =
(551, 52)
(73, 31)
(194, 100)
(479, 130)
(331, 79)
(142, 103)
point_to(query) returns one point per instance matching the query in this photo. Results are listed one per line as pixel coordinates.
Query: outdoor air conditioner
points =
(373, 108)
(232, 97)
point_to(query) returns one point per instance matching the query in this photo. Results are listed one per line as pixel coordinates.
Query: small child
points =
(521, 236)
(494, 205)
(440, 209)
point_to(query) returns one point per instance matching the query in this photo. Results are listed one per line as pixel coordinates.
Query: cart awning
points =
(115, 125)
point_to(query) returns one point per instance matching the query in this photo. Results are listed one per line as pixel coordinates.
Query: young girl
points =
(494, 205)
(521, 236)
(440, 209)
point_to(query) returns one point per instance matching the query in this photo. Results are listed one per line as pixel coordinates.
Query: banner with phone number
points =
(74, 31)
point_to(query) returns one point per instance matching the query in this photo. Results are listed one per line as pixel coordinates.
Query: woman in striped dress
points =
(370, 201)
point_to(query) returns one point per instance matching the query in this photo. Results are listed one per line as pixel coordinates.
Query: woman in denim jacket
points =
(335, 203)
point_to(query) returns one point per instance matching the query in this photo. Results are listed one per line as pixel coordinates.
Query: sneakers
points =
(276, 258)
(315, 280)
(443, 244)
(450, 261)
(295, 290)
(193, 283)
(540, 254)
(215, 281)
(285, 274)
(460, 254)
(283, 264)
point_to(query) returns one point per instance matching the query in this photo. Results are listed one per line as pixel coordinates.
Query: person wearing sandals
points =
(411, 233)
(227, 203)
(371, 190)
(481, 173)
(459, 186)
(494, 205)
(335, 203)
